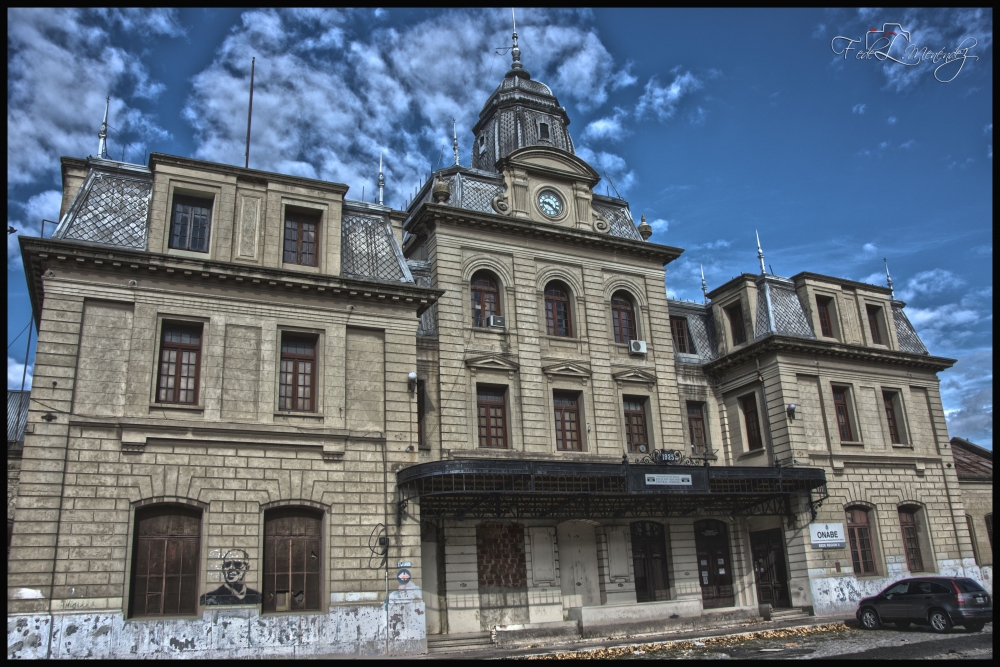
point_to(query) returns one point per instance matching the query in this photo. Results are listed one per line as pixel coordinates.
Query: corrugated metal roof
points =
(17, 414)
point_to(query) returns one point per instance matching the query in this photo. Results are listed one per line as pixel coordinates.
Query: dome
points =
(519, 113)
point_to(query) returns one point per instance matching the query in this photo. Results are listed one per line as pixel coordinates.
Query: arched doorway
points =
(715, 573)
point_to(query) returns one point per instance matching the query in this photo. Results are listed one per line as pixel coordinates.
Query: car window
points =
(939, 589)
(922, 587)
(898, 589)
(969, 586)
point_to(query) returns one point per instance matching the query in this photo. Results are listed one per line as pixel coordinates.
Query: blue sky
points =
(712, 123)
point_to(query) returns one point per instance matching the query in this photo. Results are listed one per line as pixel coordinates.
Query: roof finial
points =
(515, 52)
(704, 285)
(760, 254)
(888, 278)
(381, 179)
(454, 141)
(102, 134)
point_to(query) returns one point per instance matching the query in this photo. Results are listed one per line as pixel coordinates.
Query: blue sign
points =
(404, 576)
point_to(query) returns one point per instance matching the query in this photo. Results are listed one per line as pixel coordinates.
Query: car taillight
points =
(959, 598)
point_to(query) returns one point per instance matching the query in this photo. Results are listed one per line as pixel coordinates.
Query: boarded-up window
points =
(102, 367)
(240, 373)
(543, 555)
(365, 380)
(165, 556)
(292, 559)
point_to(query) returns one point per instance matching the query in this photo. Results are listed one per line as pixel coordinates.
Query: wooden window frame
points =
(486, 400)
(296, 220)
(180, 349)
(190, 550)
(823, 313)
(861, 541)
(192, 201)
(751, 420)
(636, 423)
(310, 569)
(892, 404)
(911, 540)
(682, 335)
(623, 318)
(294, 358)
(737, 327)
(563, 425)
(551, 309)
(548, 131)
(697, 422)
(874, 323)
(480, 313)
(842, 410)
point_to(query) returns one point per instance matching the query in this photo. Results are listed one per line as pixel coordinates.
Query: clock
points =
(550, 203)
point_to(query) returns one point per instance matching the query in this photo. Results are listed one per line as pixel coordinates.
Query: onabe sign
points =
(827, 535)
(668, 480)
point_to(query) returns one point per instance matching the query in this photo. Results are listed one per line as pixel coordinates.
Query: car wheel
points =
(869, 619)
(939, 621)
(974, 627)
(902, 625)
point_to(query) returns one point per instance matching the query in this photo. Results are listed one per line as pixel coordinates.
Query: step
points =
(460, 642)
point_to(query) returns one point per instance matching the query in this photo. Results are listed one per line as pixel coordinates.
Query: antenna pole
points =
(253, 62)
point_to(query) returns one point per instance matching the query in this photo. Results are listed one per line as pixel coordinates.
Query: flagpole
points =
(250, 111)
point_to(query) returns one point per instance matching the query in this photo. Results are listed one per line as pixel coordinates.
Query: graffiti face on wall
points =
(235, 565)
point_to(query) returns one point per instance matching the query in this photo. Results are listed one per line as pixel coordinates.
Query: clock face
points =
(550, 203)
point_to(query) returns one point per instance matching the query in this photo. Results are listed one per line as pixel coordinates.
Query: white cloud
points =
(967, 395)
(662, 101)
(908, 144)
(858, 109)
(15, 372)
(396, 90)
(891, 120)
(61, 64)
(869, 249)
(659, 225)
(609, 128)
(928, 283)
(612, 165)
(42, 206)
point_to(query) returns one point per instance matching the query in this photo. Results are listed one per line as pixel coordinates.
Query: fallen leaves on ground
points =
(689, 644)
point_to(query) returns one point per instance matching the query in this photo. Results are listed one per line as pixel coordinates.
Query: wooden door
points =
(714, 568)
(165, 556)
(769, 567)
(649, 561)
(292, 560)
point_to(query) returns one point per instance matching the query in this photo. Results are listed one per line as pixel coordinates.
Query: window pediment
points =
(567, 369)
(492, 362)
(634, 375)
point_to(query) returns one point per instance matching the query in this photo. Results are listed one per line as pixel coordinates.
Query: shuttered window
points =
(165, 557)
(292, 560)
(682, 336)
(859, 532)
(889, 401)
(696, 426)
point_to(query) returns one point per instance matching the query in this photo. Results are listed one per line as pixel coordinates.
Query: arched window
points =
(859, 533)
(911, 541)
(293, 559)
(558, 320)
(166, 551)
(485, 298)
(623, 318)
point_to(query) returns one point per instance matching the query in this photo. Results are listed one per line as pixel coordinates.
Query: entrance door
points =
(649, 559)
(711, 540)
(769, 567)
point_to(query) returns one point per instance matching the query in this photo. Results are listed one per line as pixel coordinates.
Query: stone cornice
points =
(429, 215)
(778, 343)
(41, 254)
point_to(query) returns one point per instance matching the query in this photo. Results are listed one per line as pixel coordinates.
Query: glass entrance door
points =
(769, 567)
(649, 560)
(714, 571)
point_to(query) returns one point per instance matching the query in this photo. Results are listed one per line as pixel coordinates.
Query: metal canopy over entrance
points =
(490, 489)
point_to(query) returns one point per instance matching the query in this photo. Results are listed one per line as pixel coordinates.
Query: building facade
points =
(268, 420)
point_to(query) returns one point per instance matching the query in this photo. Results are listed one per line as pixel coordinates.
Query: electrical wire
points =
(20, 334)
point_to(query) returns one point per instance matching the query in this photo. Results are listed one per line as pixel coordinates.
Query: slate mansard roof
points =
(112, 209)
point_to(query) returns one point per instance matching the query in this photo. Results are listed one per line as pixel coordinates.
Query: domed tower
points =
(519, 113)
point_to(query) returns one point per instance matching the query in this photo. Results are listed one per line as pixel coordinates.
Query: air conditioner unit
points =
(496, 321)
(637, 347)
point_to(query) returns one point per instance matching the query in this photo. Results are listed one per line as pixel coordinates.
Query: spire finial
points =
(381, 179)
(760, 254)
(888, 278)
(704, 285)
(102, 134)
(454, 141)
(515, 52)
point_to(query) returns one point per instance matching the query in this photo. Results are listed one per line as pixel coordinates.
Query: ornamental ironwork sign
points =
(664, 457)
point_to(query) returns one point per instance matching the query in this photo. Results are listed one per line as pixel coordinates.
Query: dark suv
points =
(940, 602)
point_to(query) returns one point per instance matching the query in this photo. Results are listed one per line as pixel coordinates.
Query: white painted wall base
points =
(236, 632)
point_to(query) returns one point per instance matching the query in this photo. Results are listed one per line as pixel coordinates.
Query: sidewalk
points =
(596, 644)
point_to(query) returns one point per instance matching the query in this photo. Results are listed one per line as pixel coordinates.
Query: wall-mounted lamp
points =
(411, 382)
(791, 411)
